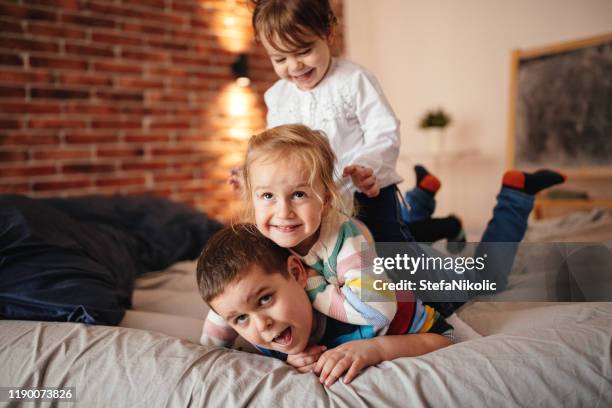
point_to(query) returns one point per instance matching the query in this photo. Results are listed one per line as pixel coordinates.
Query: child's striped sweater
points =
(337, 285)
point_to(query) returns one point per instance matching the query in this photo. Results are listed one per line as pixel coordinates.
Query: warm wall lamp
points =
(240, 69)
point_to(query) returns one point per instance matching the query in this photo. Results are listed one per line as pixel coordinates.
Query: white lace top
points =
(350, 107)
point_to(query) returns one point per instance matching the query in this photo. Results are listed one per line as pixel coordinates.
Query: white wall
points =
(456, 54)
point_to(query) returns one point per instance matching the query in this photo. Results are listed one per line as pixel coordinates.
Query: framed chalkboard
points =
(561, 107)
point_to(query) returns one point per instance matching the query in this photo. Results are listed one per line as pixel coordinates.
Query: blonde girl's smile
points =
(288, 210)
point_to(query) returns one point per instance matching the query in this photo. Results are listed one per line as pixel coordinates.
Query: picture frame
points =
(560, 108)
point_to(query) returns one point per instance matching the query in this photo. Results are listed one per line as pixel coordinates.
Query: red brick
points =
(156, 56)
(12, 92)
(61, 185)
(172, 151)
(157, 4)
(120, 181)
(84, 79)
(30, 45)
(10, 59)
(28, 139)
(52, 123)
(64, 4)
(13, 155)
(138, 83)
(188, 7)
(89, 51)
(63, 154)
(165, 72)
(120, 152)
(87, 21)
(29, 107)
(173, 177)
(14, 188)
(58, 93)
(140, 28)
(64, 32)
(115, 124)
(119, 96)
(145, 165)
(163, 97)
(58, 63)
(145, 138)
(87, 168)
(115, 39)
(84, 138)
(27, 13)
(28, 171)
(170, 124)
(10, 123)
(11, 27)
(32, 76)
(168, 45)
(112, 67)
(91, 108)
(143, 110)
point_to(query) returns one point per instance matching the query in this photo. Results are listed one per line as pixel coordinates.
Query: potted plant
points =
(436, 119)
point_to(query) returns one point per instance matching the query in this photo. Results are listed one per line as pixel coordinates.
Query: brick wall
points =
(128, 97)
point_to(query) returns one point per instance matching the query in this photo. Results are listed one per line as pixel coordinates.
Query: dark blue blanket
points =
(76, 259)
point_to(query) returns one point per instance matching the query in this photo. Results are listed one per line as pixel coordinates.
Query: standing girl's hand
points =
(305, 361)
(363, 178)
(350, 358)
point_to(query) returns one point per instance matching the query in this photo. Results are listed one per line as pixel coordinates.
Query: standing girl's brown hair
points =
(292, 22)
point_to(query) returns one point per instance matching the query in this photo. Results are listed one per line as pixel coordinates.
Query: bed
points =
(531, 354)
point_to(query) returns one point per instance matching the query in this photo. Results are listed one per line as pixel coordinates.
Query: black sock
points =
(426, 181)
(532, 183)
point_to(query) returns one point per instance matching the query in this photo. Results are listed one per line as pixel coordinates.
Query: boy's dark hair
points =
(293, 21)
(231, 252)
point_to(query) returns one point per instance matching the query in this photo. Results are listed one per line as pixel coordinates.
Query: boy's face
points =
(268, 309)
(287, 209)
(304, 67)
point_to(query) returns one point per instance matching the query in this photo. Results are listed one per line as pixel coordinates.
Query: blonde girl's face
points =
(288, 210)
(305, 67)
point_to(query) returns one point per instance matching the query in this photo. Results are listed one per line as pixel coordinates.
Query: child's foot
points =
(426, 181)
(532, 183)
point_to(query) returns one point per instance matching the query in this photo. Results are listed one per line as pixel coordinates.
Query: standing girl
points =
(339, 98)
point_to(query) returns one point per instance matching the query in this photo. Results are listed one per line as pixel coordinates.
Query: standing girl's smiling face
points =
(305, 67)
(288, 210)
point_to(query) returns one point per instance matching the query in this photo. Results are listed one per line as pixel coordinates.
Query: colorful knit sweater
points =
(336, 286)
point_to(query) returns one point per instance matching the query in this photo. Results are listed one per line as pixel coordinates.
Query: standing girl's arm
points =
(378, 123)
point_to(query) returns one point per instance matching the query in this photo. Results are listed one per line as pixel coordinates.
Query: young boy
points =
(258, 288)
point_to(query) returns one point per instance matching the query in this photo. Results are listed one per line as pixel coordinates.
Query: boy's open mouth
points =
(284, 338)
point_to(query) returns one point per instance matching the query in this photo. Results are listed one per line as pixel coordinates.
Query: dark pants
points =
(381, 215)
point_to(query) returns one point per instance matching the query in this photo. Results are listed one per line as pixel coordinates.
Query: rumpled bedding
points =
(76, 259)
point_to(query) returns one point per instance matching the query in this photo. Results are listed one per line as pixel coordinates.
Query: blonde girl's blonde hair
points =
(292, 21)
(296, 142)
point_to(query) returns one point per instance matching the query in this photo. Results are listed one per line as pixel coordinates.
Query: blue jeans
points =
(507, 225)
(509, 221)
